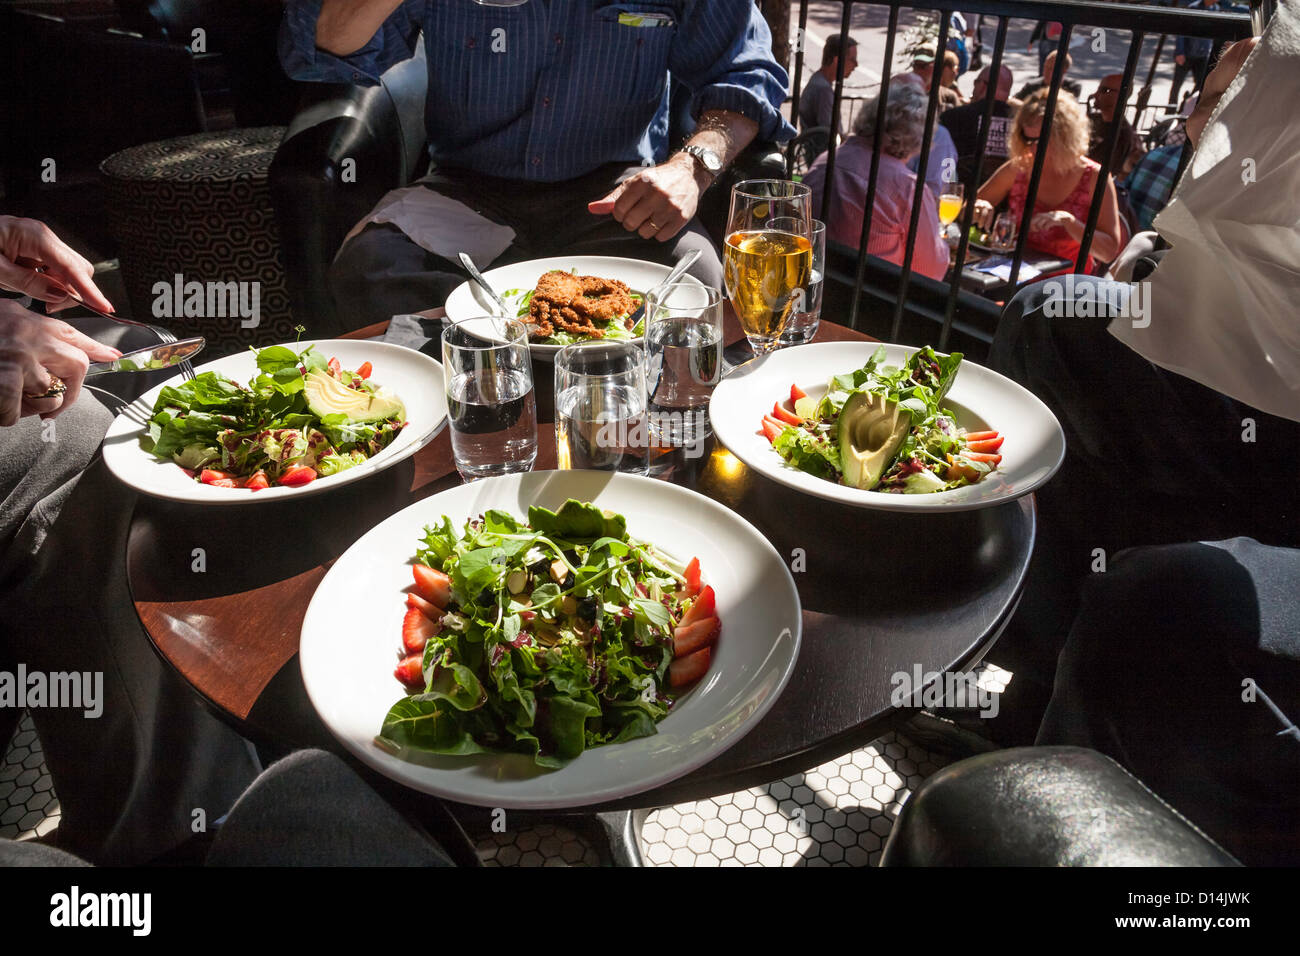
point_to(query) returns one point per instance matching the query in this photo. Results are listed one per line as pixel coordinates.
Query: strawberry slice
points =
(432, 585)
(210, 476)
(692, 574)
(295, 476)
(334, 367)
(416, 630)
(980, 456)
(257, 481)
(225, 483)
(689, 669)
(705, 606)
(364, 369)
(689, 639)
(411, 673)
(427, 608)
(771, 431)
(796, 393)
(985, 445)
(980, 436)
(781, 415)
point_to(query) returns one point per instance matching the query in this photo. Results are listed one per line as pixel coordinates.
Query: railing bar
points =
(846, 20)
(870, 200)
(797, 89)
(968, 213)
(927, 140)
(1175, 21)
(1108, 151)
(1040, 156)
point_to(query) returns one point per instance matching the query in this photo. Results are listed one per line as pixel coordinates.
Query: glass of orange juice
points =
(950, 203)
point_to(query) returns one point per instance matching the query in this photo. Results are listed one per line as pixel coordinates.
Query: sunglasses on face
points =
(1030, 140)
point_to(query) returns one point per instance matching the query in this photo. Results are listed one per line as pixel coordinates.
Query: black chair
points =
(381, 128)
(1043, 806)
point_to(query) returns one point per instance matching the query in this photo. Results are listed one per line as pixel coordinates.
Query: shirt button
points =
(537, 160)
(558, 39)
(546, 101)
(471, 42)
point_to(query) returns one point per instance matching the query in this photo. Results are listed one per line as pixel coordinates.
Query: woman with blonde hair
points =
(1064, 190)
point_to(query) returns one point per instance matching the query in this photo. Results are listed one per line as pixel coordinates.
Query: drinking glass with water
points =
(683, 349)
(491, 405)
(806, 313)
(600, 407)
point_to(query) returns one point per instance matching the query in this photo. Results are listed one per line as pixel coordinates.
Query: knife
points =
(150, 359)
(477, 276)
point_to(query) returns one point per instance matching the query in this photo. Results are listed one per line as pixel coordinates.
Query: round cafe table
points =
(882, 593)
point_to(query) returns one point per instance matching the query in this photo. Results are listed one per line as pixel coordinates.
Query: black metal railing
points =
(873, 276)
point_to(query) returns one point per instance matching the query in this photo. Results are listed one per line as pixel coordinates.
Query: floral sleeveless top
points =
(1055, 240)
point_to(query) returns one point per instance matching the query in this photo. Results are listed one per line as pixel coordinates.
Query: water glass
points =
(683, 349)
(491, 406)
(1003, 237)
(806, 313)
(600, 407)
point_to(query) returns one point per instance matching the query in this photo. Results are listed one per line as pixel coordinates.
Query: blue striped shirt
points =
(551, 90)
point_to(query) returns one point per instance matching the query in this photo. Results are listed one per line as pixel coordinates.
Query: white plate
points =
(468, 300)
(414, 377)
(352, 631)
(980, 398)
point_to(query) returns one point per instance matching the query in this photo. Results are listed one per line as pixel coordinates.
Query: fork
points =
(164, 336)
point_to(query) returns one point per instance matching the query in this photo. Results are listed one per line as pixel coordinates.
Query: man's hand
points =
(657, 202)
(1220, 78)
(25, 246)
(31, 348)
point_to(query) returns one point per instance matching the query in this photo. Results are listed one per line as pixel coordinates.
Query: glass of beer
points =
(768, 258)
(950, 201)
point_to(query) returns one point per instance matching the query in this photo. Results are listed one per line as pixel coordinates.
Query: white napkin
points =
(440, 224)
(1225, 300)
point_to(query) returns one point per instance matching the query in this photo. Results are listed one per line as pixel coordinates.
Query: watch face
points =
(712, 162)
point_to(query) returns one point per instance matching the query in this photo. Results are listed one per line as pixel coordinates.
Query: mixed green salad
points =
(545, 638)
(884, 428)
(301, 417)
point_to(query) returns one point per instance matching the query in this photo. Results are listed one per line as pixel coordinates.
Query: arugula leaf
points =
(805, 452)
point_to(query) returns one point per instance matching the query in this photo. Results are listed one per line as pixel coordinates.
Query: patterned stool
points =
(198, 241)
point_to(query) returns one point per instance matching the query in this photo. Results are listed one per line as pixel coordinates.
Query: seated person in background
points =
(1044, 82)
(963, 123)
(555, 144)
(817, 98)
(948, 74)
(942, 166)
(1151, 182)
(1128, 145)
(895, 185)
(1065, 189)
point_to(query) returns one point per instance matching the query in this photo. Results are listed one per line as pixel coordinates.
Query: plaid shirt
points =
(1151, 182)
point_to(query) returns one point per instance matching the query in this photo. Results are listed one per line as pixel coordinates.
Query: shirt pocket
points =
(479, 65)
(630, 46)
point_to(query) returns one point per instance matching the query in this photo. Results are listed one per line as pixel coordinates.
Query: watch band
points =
(710, 161)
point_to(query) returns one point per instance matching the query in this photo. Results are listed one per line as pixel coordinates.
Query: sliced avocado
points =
(871, 428)
(326, 395)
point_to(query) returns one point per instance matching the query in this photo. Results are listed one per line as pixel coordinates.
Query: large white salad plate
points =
(512, 282)
(414, 377)
(980, 398)
(352, 631)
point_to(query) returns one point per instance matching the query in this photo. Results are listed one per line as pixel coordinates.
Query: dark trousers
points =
(1151, 458)
(1184, 666)
(381, 272)
(1198, 67)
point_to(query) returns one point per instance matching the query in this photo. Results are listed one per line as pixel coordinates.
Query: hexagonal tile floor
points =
(837, 814)
(28, 805)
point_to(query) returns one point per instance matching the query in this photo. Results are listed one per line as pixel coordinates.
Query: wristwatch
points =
(707, 158)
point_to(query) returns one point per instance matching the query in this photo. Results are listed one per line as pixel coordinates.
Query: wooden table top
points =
(882, 593)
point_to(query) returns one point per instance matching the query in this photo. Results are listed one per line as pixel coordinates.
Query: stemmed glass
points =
(764, 266)
(950, 203)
